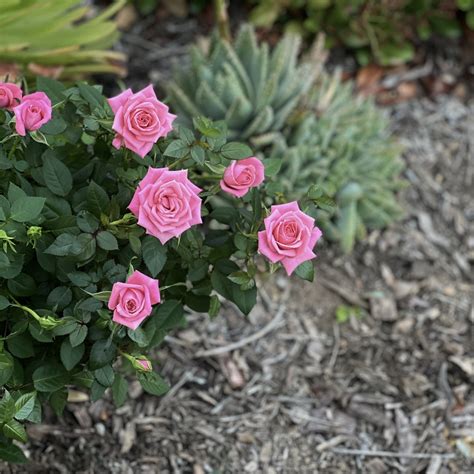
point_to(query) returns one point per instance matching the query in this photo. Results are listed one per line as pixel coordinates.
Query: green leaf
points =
(177, 149)
(22, 285)
(78, 335)
(6, 367)
(15, 193)
(27, 208)
(54, 127)
(119, 390)
(9, 452)
(71, 355)
(97, 391)
(106, 240)
(53, 89)
(272, 167)
(244, 299)
(198, 154)
(59, 298)
(305, 270)
(214, 306)
(92, 95)
(102, 353)
(105, 375)
(7, 407)
(58, 401)
(152, 383)
(154, 254)
(4, 303)
(87, 222)
(24, 405)
(98, 201)
(15, 430)
(64, 245)
(206, 127)
(50, 377)
(57, 176)
(236, 151)
(21, 346)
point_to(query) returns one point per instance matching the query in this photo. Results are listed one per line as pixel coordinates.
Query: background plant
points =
(341, 144)
(60, 35)
(309, 124)
(252, 89)
(66, 236)
(382, 31)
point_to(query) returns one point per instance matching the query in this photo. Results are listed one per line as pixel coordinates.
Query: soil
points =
(369, 369)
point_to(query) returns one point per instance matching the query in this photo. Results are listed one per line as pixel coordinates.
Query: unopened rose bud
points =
(34, 232)
(145, 365)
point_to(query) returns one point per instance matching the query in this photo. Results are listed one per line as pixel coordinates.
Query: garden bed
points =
(301, 392)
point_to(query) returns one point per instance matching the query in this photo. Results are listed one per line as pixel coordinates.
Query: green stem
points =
(14, 147)
(178, 162)
(222, 19)
(171, 286)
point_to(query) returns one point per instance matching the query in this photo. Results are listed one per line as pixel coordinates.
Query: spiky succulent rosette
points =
(252, 89)
(342, 143)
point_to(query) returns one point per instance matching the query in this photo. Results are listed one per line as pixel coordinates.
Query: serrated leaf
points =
(15, 430)
(236, 151)
(57, 176)
(154, 255)
(27, 208)
(305, 270)
(24, 405)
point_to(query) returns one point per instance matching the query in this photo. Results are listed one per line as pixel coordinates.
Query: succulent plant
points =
(341, 143)
(252, 89)
(57, 37)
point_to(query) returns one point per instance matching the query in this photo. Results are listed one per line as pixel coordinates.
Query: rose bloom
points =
(242, 175)
(33, 112)
(289, 236)
(10, 95)
(145, 365)
(132, 301)
(140, 120)
(166, 203)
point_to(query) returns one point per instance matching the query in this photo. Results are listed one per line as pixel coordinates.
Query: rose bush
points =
(113, 227)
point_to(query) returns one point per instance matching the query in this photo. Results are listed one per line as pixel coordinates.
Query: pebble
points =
(100, 429)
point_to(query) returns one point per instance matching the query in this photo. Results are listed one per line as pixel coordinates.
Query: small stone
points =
(384, 308)
(405, 325)
(246, 437)
(100, 429)
(252, 466)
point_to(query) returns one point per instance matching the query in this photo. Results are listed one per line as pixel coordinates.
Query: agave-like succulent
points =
(253, 90)
(342, 144)
(55, 35)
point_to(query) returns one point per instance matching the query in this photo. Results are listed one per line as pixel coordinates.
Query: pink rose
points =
(10, 95)
(132, 301)
(242, 175)
(289, 236)
(140, 120)
(166, 203)
(145, 365)
(32, 113)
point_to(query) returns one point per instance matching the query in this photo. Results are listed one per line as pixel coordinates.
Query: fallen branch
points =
(390, 454)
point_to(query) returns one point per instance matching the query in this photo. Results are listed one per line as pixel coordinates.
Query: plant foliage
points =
(58, 34)
(67, 236)
(341, 145)
(252, 89)
(322, 136)
(377, 30)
